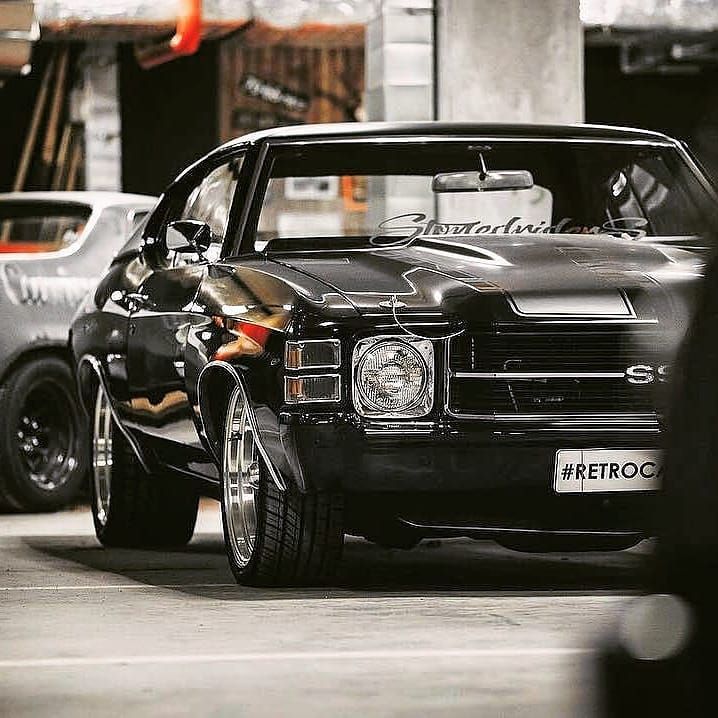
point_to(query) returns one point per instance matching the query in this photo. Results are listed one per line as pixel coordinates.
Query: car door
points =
(163, 311)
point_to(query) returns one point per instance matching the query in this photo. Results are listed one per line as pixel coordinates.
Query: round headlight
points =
(392, 377)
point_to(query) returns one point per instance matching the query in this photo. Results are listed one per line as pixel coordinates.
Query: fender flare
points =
(212, 439)
(94, 363)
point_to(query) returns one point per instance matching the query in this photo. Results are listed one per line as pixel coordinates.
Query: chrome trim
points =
(424, 347)
(425, 138)
(296, 402)
(557, 420)
(336, 343)
(535, 375)
(519, 531)
(612, 418)
(96, 366)
(697, 171)
(583, 429)
(540, 320)
(381, 429)
(227, 367)
(232, 246)
(630, 311)
(386, 433)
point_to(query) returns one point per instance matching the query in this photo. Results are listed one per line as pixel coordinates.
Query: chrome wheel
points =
(241, 471)
(102, 457)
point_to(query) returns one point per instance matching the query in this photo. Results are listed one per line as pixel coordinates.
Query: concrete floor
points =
(451, 628)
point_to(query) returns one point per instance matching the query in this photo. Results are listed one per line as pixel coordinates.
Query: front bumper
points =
(469, 480)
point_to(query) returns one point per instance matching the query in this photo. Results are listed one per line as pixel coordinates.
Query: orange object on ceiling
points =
(189, 28)
(185, 41)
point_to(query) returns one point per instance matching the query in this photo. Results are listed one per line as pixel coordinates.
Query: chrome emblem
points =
(646, 374)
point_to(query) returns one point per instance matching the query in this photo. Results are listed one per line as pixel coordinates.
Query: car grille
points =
(552, 371)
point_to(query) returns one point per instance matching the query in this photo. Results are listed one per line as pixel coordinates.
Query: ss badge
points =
(646, 374)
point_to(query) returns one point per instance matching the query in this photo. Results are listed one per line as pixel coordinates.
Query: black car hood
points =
(548, 275)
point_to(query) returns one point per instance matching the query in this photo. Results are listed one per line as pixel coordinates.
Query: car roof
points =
(370, 130)
(93, 199)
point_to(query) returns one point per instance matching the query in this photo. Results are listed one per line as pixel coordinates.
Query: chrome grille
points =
(552, 371)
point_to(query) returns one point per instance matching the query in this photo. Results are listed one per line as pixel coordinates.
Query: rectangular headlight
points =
(312, 354)
(319, 387)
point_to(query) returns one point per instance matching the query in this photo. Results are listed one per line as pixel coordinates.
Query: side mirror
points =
(188, 236)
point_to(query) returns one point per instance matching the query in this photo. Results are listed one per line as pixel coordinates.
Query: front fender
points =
(217, 380)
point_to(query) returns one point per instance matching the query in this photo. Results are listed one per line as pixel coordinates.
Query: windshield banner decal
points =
(416, 224)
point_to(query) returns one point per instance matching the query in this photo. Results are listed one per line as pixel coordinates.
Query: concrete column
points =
(399, 61)
(509, 61)
(399, 86)
(100, 112)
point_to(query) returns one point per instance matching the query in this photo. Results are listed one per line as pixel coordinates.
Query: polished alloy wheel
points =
(102, 456)
(47, 437)
(241, 480)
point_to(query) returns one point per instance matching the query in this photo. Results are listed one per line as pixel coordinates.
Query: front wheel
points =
(273, 537)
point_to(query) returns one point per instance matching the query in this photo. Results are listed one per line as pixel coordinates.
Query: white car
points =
(53, 248)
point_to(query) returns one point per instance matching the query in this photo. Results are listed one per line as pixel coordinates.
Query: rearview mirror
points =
(188, 235)
(482, 181)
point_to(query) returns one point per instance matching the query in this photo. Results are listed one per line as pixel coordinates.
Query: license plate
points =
(585, 471)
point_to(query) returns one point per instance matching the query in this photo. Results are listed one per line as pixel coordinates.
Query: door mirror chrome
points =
(188, 236)
(482, 181)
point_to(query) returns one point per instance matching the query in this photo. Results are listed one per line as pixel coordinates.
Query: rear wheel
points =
(42, 452)
(272, 537)
(129, 506)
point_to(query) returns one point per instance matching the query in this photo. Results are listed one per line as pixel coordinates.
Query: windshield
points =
(352, 193)
(30, 226)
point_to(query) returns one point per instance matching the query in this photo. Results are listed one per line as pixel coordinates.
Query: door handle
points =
(137, 298)
(132, 301)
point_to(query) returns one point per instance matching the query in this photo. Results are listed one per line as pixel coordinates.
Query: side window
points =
(211, 200)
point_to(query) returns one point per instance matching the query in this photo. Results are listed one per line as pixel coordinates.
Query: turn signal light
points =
(304, 389)
(312, 354)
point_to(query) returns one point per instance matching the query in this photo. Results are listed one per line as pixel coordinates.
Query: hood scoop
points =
(604, 304)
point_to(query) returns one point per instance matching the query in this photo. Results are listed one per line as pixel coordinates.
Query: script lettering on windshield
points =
(416, 224)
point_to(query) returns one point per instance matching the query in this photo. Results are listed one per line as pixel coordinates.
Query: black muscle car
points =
(395, 331)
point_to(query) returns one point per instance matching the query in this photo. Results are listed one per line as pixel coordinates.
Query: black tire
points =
(299, 536)
(142, 510)
(40, 405)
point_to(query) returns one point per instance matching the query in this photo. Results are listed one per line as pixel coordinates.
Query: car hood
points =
(543, 276)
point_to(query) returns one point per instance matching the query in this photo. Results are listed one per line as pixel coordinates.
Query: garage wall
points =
(169, 116)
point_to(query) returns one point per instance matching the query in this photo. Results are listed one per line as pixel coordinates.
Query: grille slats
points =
(565, 350)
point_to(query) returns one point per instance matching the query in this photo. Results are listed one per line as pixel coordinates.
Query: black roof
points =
(369, 130)
(390, 129)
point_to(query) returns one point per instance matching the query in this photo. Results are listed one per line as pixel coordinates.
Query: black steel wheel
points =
(131, 507)
(272, 537)
(43, 455)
